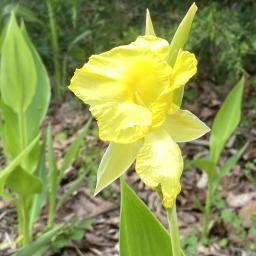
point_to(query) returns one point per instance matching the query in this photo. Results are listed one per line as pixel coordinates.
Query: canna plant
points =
(135, 93)
(25, 181)
(224, 124)
(25, 94)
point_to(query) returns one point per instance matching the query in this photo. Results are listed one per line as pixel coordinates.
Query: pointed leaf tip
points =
(181, 35)
(149, 31)
(226, 120)
(116, 161)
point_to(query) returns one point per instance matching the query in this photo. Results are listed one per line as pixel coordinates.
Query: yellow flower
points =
(131, 91)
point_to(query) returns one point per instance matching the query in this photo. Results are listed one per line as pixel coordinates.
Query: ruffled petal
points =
(121, 122)
(184, 126)
(156, 44)
(93, 86)
(159, 164)
(160, 108)
(128, 78)
(185, 67)
(115, 75)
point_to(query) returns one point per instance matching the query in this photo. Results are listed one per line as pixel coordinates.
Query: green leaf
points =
(41, 244)
(10, 123)
(20, 10)
(52, 163)
(73, 149)
(15, 163)
(23, 183)
(39, 105)
(73, 186)
(226, 121)
(178, 41)
(34, 115)
(149, 31)
(39, 200)
(17, 73)
(206, 165)
(230, 163)
(141, 233)
(116, 160)
(13, 147)
(181, 35)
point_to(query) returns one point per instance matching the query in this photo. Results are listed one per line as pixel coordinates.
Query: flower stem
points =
(27, 236)
(207, 210)
(174, 230)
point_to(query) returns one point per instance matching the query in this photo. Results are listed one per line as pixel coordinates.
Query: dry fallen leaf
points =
(240, 200)
(246, 213)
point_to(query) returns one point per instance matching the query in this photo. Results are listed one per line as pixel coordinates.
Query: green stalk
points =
(23, 221)
(22, 211)
(55, 49)
(207, 209)
(52, 199)
(20, 219)
(174, 230)
(52, 209)
(27, 236)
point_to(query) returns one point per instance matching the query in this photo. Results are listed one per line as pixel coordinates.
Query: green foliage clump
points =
(223, 40)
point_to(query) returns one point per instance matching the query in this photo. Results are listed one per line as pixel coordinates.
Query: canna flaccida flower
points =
(131, 91)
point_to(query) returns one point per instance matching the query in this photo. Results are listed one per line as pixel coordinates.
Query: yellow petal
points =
(183, 126)
(121, 122)
(159, 109)
(185, 67)
(94, 84)
(116, 160)
(156, 44)
(128, 89)
(159, 164)
(115, 74)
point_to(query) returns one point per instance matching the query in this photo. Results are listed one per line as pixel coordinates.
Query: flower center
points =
(142, 78)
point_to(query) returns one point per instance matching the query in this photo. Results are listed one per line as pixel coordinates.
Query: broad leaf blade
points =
(140, 232)
(11, 147)
(39, 105)
(17, 74)
(35, 113)
(206, 165)
(226, 120)
(15, 163)
(24, 183)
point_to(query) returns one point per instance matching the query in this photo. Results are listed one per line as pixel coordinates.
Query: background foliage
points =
(224, 32)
